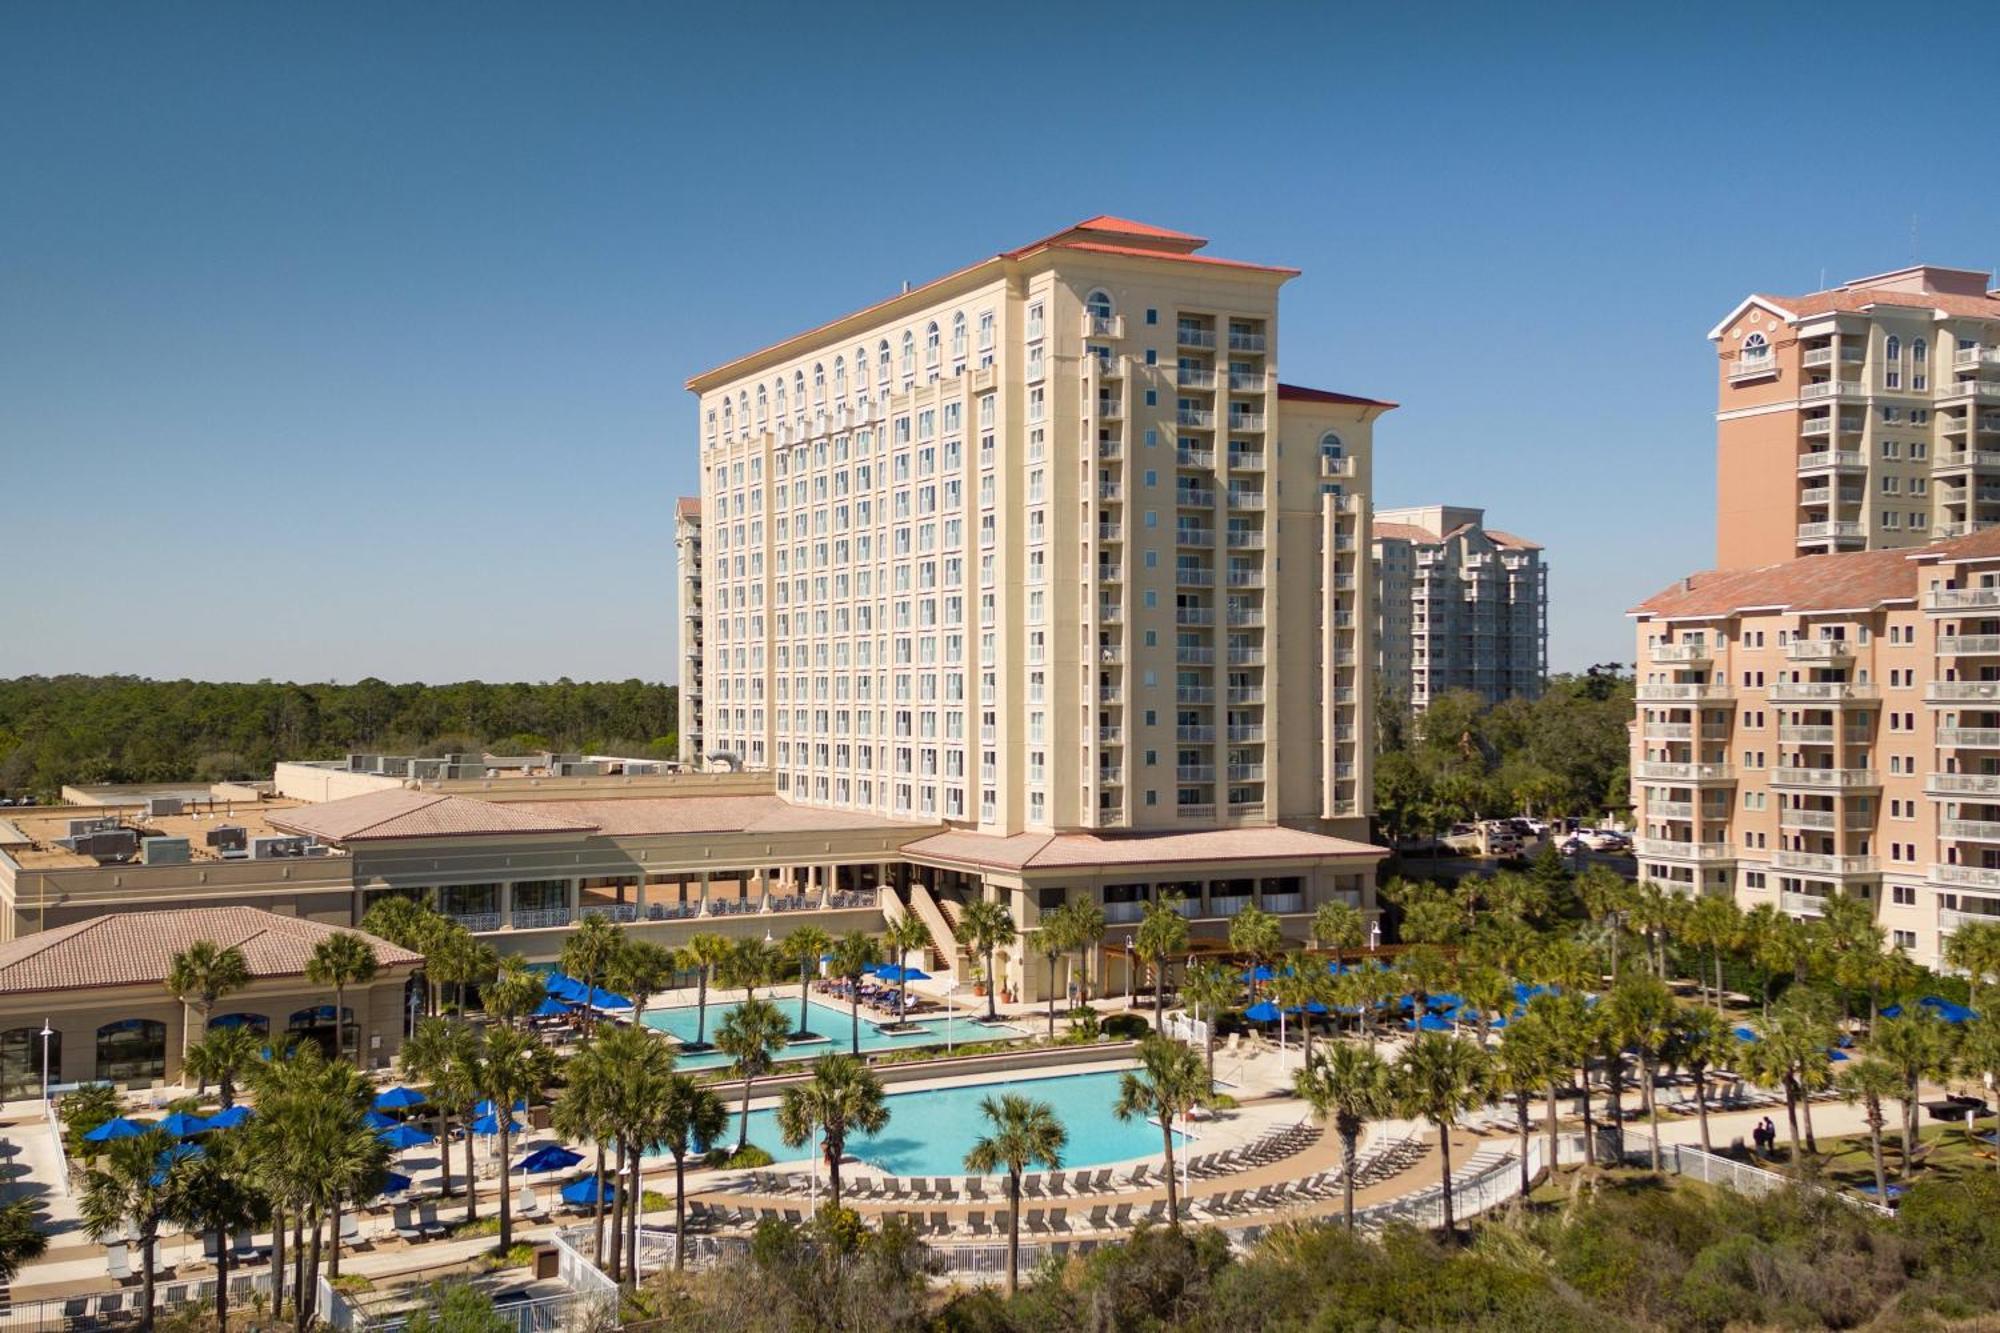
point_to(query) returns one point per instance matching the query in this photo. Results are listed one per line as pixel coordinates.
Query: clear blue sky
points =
(348, 340)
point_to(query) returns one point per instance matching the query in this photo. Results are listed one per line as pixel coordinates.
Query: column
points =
(704, 894)
(507, 906)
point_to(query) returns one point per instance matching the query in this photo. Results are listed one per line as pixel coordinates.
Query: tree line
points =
(92, 729)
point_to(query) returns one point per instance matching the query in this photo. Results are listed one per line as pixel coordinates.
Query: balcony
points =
(1110, 613)
(476, 922)
(1246, 499)
(1118, 914)
(1194, 734)
(1825, 863)
(1110, 409)
(1838, 530)
(1110, 735)
(1970, 738)
(1193, 655)
(1194, 615)
(1245, 694)
(1254, 657)
(1962, 784)
(1806, 735)
(1815, 426)
(1962, 599)
(1819, 650)
(1252, 619)
(1193, 335)
(1194, 773)
(1968, 645)
(1244, 735)
(1111, 450)
(1284, 904)
(1745, 368)
(1682, 773)
(1194, 497)
(1976, 356)
(1189, 577)
(1960, 459)
(1246, 460)
(1715, 691)
(1822, 692)
(1110, 694)
(1108, 368)
(1109, 574)
(1204, 458)
(1971, 877)
(1246, 578)
(1203, 810)
(1948, 692)
(1813, 356)
(1688, 651)
(1950, 919)
(1246, 421)
(1802, 904)
(1826, 821)
(1675, 810)
(1970, 830)
(1242, 341)
(1246, 381)
(1245, 541)
(1103, 326)
(548, 918)
(1110, 532)
(1826, 779)
(1838, 460)
(1957, 389)
(1194, 377)
(1832, 389)
(1200, 418)
(1110, 654)
(1110, 490)
(1185, 536)
(1669, 849)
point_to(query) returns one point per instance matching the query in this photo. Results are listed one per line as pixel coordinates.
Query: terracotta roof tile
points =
(1145, 252)
(1511, 542)
(1298, 393)
(1044, 851)
(688, 506)
(1403, 532)
(637, 816)
(1860, 298)
(1127, 227)
(418, 814)
(1838, 582)
(138, 948)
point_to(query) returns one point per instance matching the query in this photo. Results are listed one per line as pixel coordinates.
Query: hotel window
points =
(1035, 322)
(882, 361)
(1892, 353)
(1904, 939)
(1919, 365)
(909, 356)
(819, 382)
(1099, 304)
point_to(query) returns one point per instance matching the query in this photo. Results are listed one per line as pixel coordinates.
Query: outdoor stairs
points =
(943, 951)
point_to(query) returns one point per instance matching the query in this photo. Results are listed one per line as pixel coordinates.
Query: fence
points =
(62, 1150)
(1742, 1177)
(68, 1312)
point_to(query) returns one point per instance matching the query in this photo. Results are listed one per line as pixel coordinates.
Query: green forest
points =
(88, 729)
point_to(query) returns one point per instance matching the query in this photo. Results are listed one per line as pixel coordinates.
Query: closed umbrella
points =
(118, 1127)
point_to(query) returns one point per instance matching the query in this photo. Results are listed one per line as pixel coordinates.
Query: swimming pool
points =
(929, 1133)
(829, 1021)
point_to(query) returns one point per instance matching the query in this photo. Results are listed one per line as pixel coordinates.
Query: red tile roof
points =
(638, 816)
(1511, 542)
(1147, 252)
(138, 948)
(379, 815)
(1853, 299)
(1403, 532)
(1127, 227)
(1300, 394)
(688, 506)
(1056, 851)
(1848, 580)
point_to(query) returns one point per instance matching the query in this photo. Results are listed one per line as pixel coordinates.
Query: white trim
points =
(1762, 303)
(1739, 413)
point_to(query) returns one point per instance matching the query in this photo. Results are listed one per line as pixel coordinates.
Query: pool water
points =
(929, 1133)
(828, 1020)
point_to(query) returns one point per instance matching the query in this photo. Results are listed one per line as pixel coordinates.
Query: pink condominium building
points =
(1826, 725)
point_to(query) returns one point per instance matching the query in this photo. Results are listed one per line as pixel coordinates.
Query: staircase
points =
(944, 938)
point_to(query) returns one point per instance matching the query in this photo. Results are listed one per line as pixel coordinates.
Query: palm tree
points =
(1702, 1039)
(1870, 1081)
(1793, 1041)
(516, 1066)
(691, 1117)
(747, 965)
(1257, 935)
(704, 952)
(1523, 1066)
(1023, 1134)
(213, 1194)
(853, 954)
(1162, 936)
(1607, 896)
(901, 937)
(843, 1096)
(1487, 990)
(585, 1112)
(516, 992)
(1210, 987)
(1715, 924)
(751, 1036)
(445, 1056)
(1304, 982)
(200, 975)
(340, 960)
(1975, 948)
(20, 1238)
(1086, 931)
(587, 955)
(1168, 1084)
(221, 1057)
(1916, 1046)
(126, 1193)
(1350, 1086)
(639, 970)
(986, 925)
(804, 947)
(640, 1068)
(1639, 1015)
(1051, 940)
(1339, 926)
(1439, 1078)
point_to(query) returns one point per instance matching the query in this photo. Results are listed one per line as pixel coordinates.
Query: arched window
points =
(1755, 348)
(799, 391)
(932, 344)
(819, 382)
(711, 423)
(728, 417)
(763, 405)
(1330, 448)
(958, 337)
(1099, 304)
(21, 1062)
(882, 361)
(909, 352)
(1919, 352)
(778, 394)
(1893, 348)
(257, 1023)
(743, 408)
(132, 1050)
(840, 377)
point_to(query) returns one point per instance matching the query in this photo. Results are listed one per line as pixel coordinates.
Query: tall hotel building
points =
(1863, 417)
(687, 623)
(1828, 725)
(1043, 546)
(1458, 606)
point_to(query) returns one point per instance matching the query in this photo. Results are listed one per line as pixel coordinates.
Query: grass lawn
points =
(1943, 1153)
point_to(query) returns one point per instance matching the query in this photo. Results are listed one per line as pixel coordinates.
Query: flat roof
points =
(41, 825)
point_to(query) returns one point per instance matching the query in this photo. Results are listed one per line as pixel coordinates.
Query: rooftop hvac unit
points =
(105, 845)
(228, 838)
(82, 828)
(158, 806)
(165, 852)
(274, 847)
(578, 769)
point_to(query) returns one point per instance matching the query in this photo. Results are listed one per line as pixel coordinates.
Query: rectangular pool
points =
(828, 1021)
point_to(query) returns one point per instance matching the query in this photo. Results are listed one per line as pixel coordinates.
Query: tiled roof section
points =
(638, 816)
(688, 506)
(1860, 298)
(1298, 393)
(1057, 851)
(1849, 579)
(380, 815)
(1402, 532)
(1511, 542)
(1148, 252)
(138, 948)
(1127, 227)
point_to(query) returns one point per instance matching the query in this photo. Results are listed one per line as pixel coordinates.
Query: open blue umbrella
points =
(117, 1127)
(1310, 1007)
(1259, 973)
(551, 1007)
(376, 1120)
(398, 1099)
(1945, 1009)
(601, 998)
(395, 1182)
(489, 1124)
(588, 1192)
(1745, 1034)
(230, 1119)
(1430, 1023)
(1890, 1011)
(183, 1126)
(180, 1152)
(895, 972)
(1262, 1012)
(406, 1136)
(566, 988)
(554, 1157)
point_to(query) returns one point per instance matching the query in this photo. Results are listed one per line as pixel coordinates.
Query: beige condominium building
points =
(1861, 417)
(1458, 606)
(687, 624)
(1828, 725)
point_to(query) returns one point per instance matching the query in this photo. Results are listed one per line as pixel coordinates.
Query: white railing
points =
(1818, 650)
(1816, 691)
(1976, 830)
(1188, 335)
(1963, 784)
(1950, 919)
(1836, 779)
(1824, 863)
(1666, 772)
(1194, 377)
(1978, 738)
(1696, 651)
(1809, 532)
(542, 918)
(1669, 849)
(1972, 877)
(1831, 389)
(1824, 458)
(476, 922)
(1962, 691)
(1684, 692)
(1748, 367)
(1968, 645)
(1802, 904)
(1962, 599)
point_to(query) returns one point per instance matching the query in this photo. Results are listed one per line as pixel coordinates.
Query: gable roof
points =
(1402, 532)
(1510, 541)
(1056, 851)
(1298, 393)
(401, 813)
(138, 948)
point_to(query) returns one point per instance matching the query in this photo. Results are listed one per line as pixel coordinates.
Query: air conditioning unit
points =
(158, 806)
(271, 847)
(165, 852)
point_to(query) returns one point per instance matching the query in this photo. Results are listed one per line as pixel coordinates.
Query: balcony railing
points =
(1246, 421)
(1194, 735)
(1247, 460)
(1194, 536)
(1832, 389)
(1246, 541)
(1226, 904)
(1806, 735)
(476, 922)
(1199, 417)
(1824, 863)
(1194, 578)
(1821, 691)
(1839, 530)
(1284, 904)
(1968, 645)
(1669, 849)
(1244, 735)
(1751, 367)
(1970, 830)
(1972, 877)
(1194, 377)
(1194, 615)
(1819, 650)
(1660, 771)
(1110, 409)
(1194, 497)
(1198, 656)
(546, 918)
(1962, 692)
(1123, 913)
(1194, 457)
(1245, 342)
(1696, 651)
(1685, 692)
(1194, 773)
(1832, 458)
(1963, 458)
(1246, 772)
(1826, 779)
(1962, 599)
(1970, 738)
(1802, 904)
(1191, 335)
(1195, 809)
(1962, 784)
(1246, 694)
(1950, 919)
(1103, 326)
(1672, 810)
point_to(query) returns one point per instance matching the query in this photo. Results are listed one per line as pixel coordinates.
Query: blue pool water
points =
(829, 1021)
(929, 1133)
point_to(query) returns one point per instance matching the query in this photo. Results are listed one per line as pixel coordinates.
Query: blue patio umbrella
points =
(1259, 973)
(554, 1157)
(588, 1191)
(1835, 1053)
(398, 1099)
(601, 998)
(1310, 1007)
(406, 1136)
(231, 1118)
(1945, 1009)
(485, 1106)
(489, 1124)
(1890, 1011)
(118, 1127)
(565, 987)
(180, 1152)
(1745, 1034)
(1446, 1001)
(395, 1182)
(551, 1007)
(376, 1120)
(183, 1126)
(1262, 1012)
(1430, 1023)
(896, 972)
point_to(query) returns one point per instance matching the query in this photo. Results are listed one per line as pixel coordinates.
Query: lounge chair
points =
(1121, 1217)
(407, 1227)
(350, 1228)
(1002, 1221)
(1059, 1219)
(1099, 1216)
(940, 1224)
(1057, 1185)
(526, 1205)
(975, 1189)
(976, 1220)
(427, 1218)
(1031, 1186)
(118, 1261)
(1034, 1221)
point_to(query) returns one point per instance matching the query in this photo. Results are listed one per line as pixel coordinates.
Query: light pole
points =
(47, 1032)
